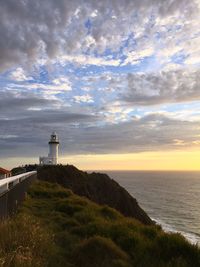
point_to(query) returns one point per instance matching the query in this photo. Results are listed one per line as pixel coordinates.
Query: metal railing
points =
(8, 183)
(13, 191)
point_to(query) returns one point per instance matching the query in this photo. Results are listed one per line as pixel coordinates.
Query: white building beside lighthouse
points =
(52, 158)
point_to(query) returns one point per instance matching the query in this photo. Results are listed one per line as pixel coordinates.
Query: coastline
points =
(191, 237)
(171, 201)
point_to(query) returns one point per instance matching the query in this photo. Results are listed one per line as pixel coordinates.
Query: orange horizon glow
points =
(144, 161)
(170, 160)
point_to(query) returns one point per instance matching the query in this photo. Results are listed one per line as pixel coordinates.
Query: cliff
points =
(97, 187)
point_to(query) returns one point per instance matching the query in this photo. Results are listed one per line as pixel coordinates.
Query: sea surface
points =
(172, 199)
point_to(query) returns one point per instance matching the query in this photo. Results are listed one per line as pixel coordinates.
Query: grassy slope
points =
(58, 228)
(98, 187)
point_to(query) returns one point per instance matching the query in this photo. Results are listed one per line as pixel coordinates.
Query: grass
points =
(57, 228)
(24, 242)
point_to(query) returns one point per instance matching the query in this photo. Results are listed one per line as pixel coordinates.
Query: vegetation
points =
(18, 170)
(57, 228)
(24, 242)
(98, 187)
(25, 168)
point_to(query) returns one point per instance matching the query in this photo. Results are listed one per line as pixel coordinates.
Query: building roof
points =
(4, 171)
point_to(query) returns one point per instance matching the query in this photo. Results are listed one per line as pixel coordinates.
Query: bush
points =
(49, 190)
(99, 251)
(110, 213)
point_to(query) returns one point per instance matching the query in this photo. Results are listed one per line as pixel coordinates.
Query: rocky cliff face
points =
(98, 187)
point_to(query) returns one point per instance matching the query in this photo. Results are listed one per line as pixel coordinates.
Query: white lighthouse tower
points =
(52, 158)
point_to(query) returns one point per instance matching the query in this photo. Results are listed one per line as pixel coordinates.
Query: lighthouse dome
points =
(54, 138)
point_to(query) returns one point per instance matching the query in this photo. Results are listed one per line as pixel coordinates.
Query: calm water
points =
(170, 198)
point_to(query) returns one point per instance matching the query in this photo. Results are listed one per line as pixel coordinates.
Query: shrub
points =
(99, 251)
(49, 190)
(110, 213)
(66, 207)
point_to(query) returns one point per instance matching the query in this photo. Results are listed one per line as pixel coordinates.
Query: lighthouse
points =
(52, 158)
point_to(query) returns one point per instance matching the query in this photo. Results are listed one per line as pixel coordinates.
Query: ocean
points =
(172, 199)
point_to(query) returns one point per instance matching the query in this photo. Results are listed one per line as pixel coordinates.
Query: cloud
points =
(117, 112)
(148, 133)
(88, 60)
(192, 60)
(34, 108)
(26, 119)
(159, 88)
(12, 104)
(44, 29)
(19, 75)
(6, 136)
(152, 132)
(48, 88)
(57, 85)
(83, 98)
(135, 57)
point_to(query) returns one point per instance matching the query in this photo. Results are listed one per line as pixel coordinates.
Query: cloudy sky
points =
(119, 81)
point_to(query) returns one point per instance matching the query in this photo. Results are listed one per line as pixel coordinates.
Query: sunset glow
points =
(171, 160)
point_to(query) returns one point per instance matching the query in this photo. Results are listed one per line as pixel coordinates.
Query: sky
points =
(119, 81)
